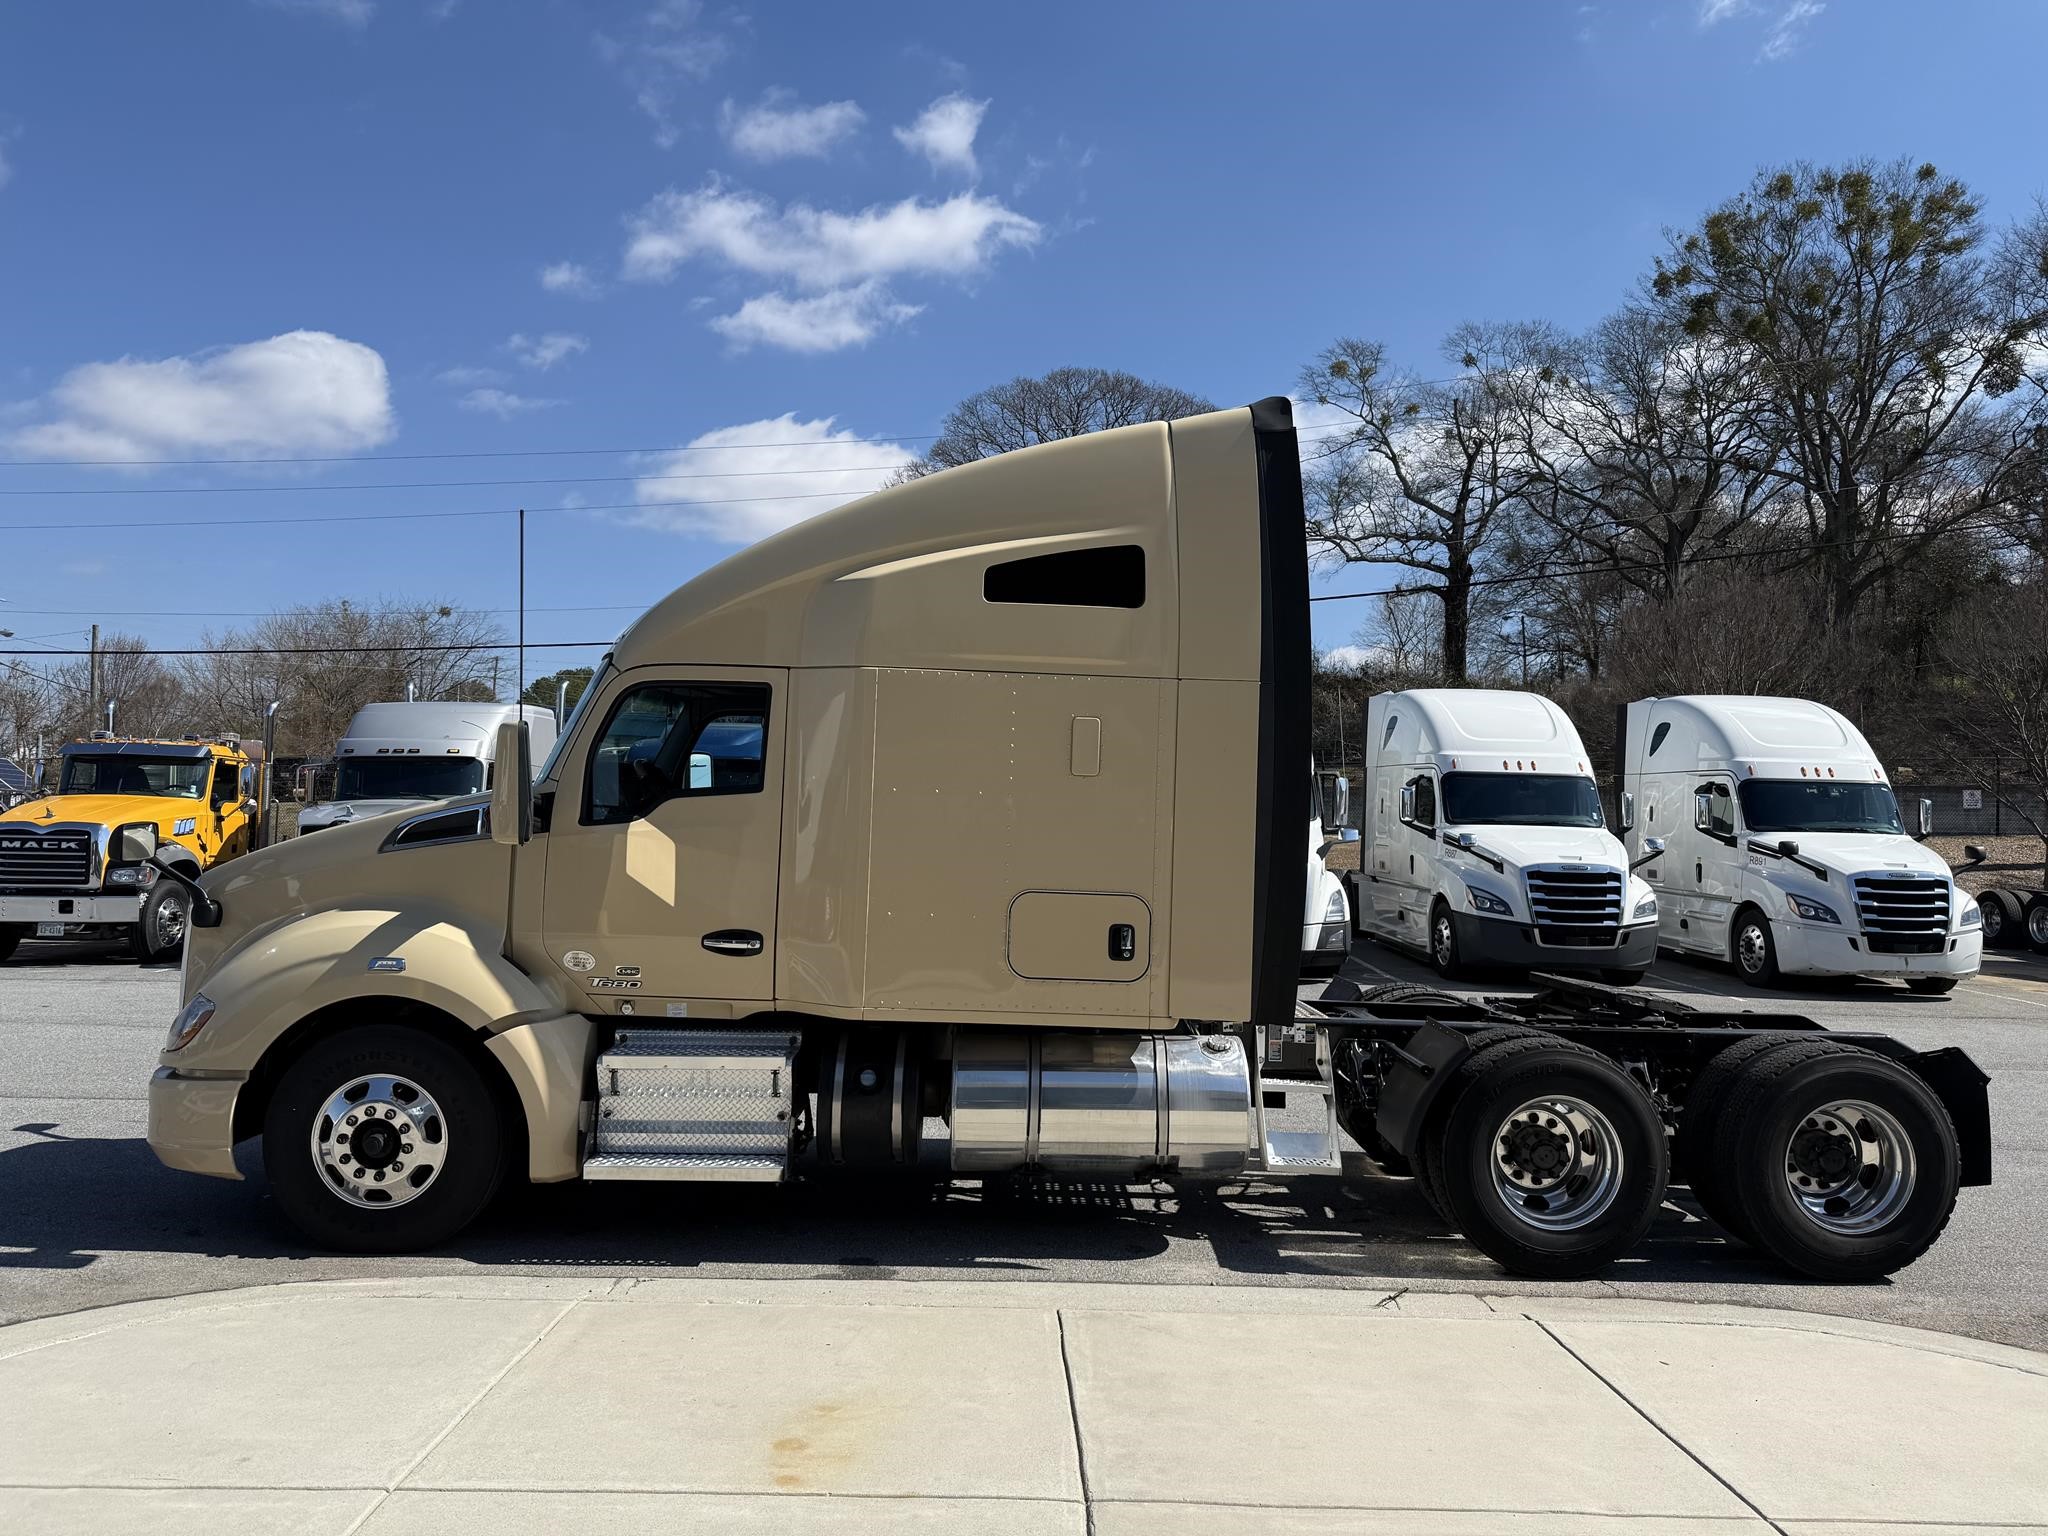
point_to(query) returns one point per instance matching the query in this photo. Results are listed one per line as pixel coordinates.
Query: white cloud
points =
(668, 50)
(350, 13)
(6, 169)
(1789, 30)
(1714, 12)
(305, 392)
(1354, 658)
(464, 376)
(570, 277)
(502, 403)
(763, 476)
(838, 317)
(944, 133)
(541, 353)
(816, 248)
(775, 128)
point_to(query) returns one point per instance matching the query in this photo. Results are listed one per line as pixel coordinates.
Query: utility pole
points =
(520, 696)
(1525, 649)
(92, 712)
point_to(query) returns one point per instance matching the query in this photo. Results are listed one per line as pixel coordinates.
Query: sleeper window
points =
(666, 741)
(1111, 577)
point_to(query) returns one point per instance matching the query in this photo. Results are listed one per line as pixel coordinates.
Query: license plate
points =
(49, 930)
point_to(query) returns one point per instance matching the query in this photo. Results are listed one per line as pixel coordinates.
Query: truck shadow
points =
(66, 1203)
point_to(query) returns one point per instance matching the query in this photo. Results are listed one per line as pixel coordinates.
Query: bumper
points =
(1324, 948)
(192, 1122)
(124, 909)
(1823, 949)
(1505, 942)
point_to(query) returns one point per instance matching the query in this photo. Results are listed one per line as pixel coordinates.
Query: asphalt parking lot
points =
(88, 1217)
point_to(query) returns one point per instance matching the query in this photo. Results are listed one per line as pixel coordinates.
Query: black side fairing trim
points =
(1280, 875)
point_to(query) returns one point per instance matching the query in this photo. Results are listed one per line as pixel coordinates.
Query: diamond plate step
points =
(701, 1104)
(765, 1168)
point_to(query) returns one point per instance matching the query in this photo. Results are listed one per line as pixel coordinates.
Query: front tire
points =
(10, 940)
(382, 1139)
(1843, 1164)
(160, 926)
(1550, 1159)
(1614, 976)
(1443, 943)
(1753, 949)
(2035, 921)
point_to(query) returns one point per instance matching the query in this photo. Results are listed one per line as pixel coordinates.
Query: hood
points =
(347, 866)
(161, 811)
(337, 812)
(1857, 853)
(1524, 846)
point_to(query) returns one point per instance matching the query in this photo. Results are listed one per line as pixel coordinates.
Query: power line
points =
(106, 651)
(389, 517)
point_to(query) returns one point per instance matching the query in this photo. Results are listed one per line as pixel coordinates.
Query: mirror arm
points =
(206, 912)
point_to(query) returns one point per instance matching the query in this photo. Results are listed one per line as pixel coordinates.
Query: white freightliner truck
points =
(979, 800)
(408, 752)
(1784, 849)
(1485, 843)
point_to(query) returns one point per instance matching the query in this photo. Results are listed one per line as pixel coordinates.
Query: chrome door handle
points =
(733, 941)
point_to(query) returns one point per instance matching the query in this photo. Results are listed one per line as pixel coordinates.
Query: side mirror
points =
(1334, 792)
(1407, 802)
(1653, 850)
(1974, 853)
(700, 770)
(1628, 811)
(512, 787)
(1926, 818)
(1459, 840)
(134, 845)
(1788, 848)
(1702, 811)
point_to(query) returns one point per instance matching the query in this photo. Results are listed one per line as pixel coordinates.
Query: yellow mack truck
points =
(61, 870)
(959, 829)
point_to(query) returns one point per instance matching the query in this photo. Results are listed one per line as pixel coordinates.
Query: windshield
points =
(407, 778)
(584, 700)
(183, 777)
(1520, 800)
(1792, 805)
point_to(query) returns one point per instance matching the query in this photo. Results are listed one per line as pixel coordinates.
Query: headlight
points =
(1647, 907)
(1486, 901)
(190, 1020)
(1334, 910)
(1812, 911)
(127, 874)
(1972, 915)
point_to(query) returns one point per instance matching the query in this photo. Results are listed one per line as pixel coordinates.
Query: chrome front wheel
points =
(380, 1141)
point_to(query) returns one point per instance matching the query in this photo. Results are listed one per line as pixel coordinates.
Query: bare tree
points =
(1647, 452)
(1067, 402)
(1423, 474)
(1995, 726)
(147, 693)
(1861, 304)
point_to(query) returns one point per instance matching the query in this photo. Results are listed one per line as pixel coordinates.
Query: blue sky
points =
(365, 228)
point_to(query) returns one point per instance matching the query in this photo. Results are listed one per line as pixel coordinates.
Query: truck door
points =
(1716, 867)
(664, 841)
(1418, 856)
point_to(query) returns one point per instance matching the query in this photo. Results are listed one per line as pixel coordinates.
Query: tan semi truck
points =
(959, 828)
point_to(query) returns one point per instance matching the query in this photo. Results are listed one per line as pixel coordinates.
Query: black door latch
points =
(1123, 942)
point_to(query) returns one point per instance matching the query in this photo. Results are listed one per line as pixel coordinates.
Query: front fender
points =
(361, 957)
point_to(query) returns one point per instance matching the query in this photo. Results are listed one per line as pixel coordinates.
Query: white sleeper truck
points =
(1784, 848)
(1485, 840)
(407, 753)
(975, 808)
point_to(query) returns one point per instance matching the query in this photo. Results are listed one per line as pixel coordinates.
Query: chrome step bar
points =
(1294, 1151)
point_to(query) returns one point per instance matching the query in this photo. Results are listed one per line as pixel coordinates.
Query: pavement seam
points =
(1059, 1318)
(1644, 1414)
(462, 1413)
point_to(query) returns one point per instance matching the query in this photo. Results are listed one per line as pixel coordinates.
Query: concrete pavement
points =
(513, 1404)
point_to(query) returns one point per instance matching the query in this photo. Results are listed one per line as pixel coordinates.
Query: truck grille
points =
(44, 861)
(1903, 914)
(1577, 907)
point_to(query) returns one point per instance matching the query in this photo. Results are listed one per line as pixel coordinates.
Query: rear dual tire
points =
(1837, 1161)
(1548, 1156)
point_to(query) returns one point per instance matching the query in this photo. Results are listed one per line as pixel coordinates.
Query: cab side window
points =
(1720, 810)
(225, 784)
(668, 741)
